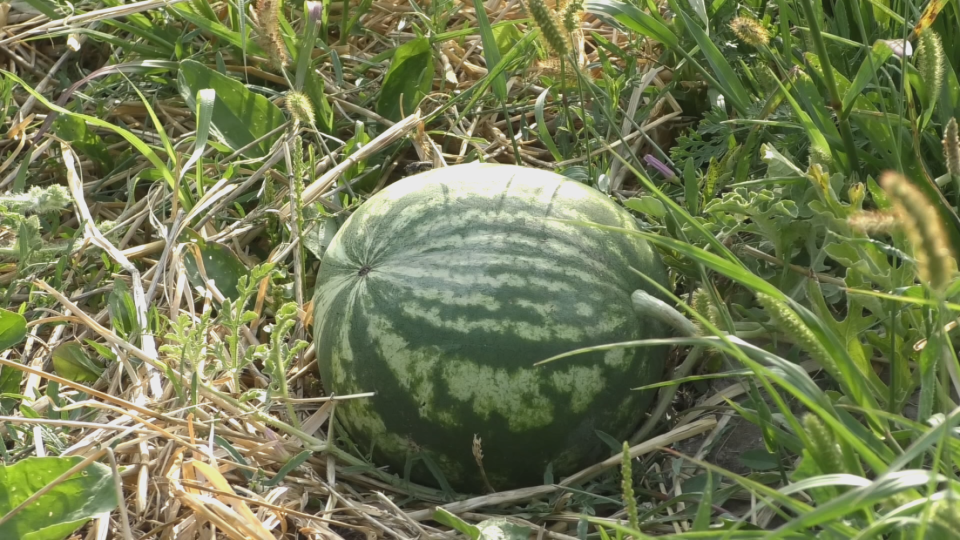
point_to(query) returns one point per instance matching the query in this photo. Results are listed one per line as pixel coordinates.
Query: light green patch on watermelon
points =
(615, 358)
(584, 310)
(515, 396)
(363, 418)
(583, 384)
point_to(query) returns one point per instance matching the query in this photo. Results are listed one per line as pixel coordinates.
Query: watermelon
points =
(441, 292)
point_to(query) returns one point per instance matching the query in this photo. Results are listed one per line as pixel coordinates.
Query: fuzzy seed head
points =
(872, 222)
(750, 31)
(790, 324)
(928, 239)
(299, 107)
(824, 448)
(951, 148)
(627, 487)
(550, 26)
(572, 15)
(930, 63)
(268, 16)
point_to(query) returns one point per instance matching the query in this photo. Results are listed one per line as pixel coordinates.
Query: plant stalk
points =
(836, 103)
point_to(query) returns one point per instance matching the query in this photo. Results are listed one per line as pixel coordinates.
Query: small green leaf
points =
(450, 520)
(123, 310)
(409, 77)
(322, 111)
(506, 37)
(501, 529)
(13, 328)
(72, 363)
(75, 131)
(647, 205)
(634, 19)
(759, 459)
(240, 116)
(879, 54)
(287, 467)
(222, 267)
(62, 510)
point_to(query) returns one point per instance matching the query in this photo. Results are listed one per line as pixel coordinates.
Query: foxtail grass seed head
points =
(268, 16)
(627, 487)
(750, 31)
(572, 15)
(930, 62)
(790, 324)
(550, 27)
(925, 232)
(951, 148)
(299, 107)
(872, 222)
(823, 447)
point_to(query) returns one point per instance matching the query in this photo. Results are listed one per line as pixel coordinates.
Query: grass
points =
(171, 173)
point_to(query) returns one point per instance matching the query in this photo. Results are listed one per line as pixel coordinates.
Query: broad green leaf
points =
(13, 328)
(322, 111)
(408, 79)
(491, 51)
(221, 266)
(46, 7)
(879, 54)
(135, 141)
(240, 116)
(62, 510)
(634, 19)
(188, 11)
(732, 88)
(319, 237)
(700, 8)
(542, 125)
(72, 363)
(506, 37)
(759, 459)
(450, 520)
(123, 311)
(205, 102)
(647, 205)
(75, 131)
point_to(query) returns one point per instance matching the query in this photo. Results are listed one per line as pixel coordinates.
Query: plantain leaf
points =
(62, 510)
(240, 116)
(408, 79)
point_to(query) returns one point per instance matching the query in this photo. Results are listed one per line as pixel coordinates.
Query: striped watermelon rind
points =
(440, 293)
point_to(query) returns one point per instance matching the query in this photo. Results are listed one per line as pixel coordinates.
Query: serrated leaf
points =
(63, 509)
(647, 205)
(240, 116)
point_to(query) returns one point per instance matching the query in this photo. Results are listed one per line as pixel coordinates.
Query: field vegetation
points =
(171, 173)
